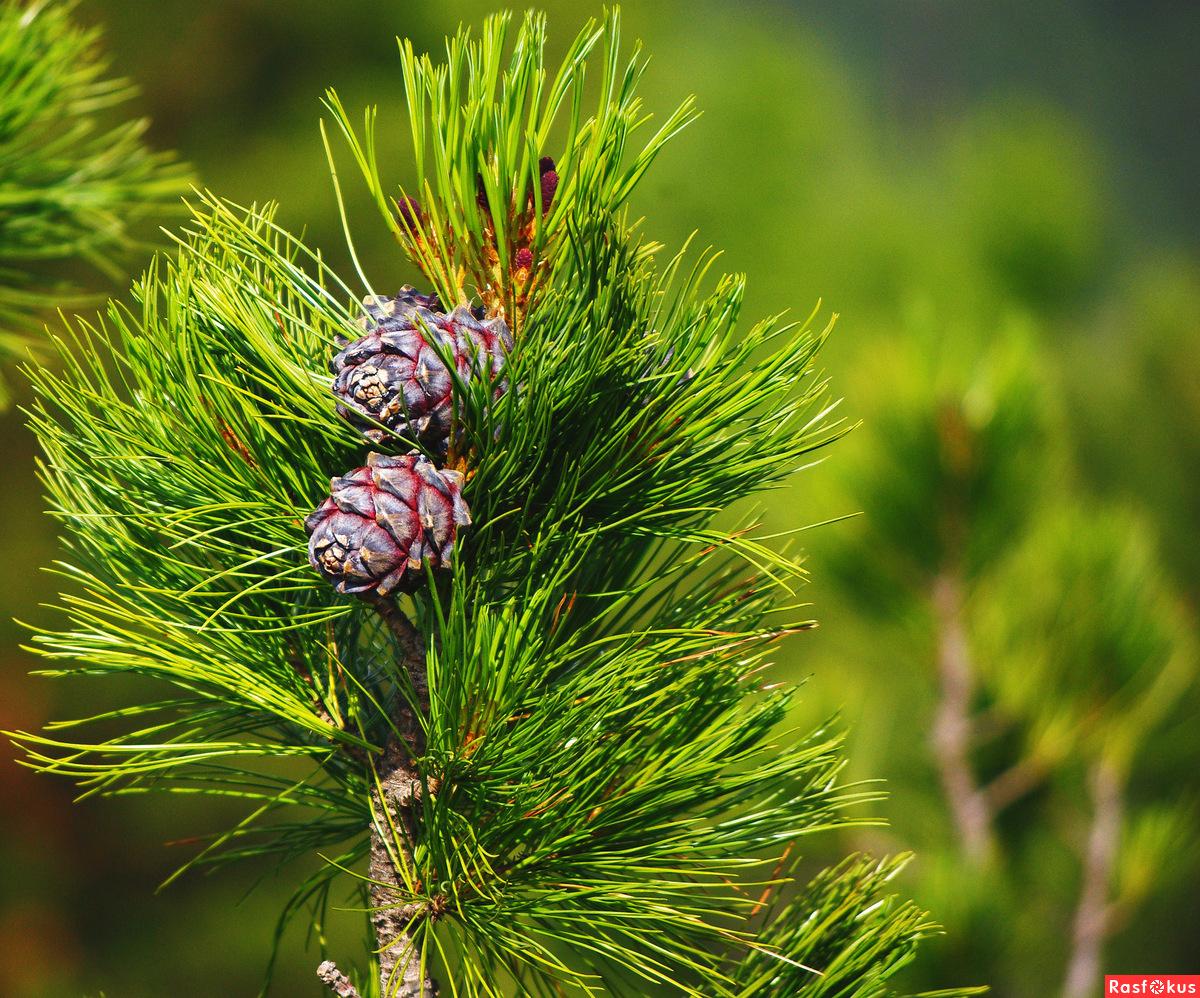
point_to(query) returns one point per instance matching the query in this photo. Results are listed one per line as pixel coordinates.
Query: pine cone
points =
(382, 521)
(394, 382)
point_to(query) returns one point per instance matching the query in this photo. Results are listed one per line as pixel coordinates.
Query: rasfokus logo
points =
(1152, 984)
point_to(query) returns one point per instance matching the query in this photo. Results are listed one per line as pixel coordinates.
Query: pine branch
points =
(952, 728)
(559, 759)
(1020, 779)
(337, 982)
(1092, 916)
(394, 829)
(844, 933)
(395, 800)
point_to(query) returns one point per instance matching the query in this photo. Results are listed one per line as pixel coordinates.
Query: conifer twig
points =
(592, 778)
(403, 630)
(76, 172)
(393, 828)
(1014, 783)
(1092, 916)
(951, 736)
(336, 981)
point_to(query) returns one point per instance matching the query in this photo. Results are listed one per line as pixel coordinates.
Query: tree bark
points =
(1092, 915)
(392, 832)
(951, 735)
(394, 824)
(337, 982)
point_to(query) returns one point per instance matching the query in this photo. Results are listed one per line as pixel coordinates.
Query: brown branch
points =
(404, 631)
(1014, 783)
(394, 804)
(336, 981)
(393, 829)
(952, 729)
(1093, 915)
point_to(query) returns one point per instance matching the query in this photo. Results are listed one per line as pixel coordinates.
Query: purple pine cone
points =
(395, 380)
(381, 522)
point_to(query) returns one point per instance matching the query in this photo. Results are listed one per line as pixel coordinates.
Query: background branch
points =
(1014, 783)
(951, 737)
(1093, 913)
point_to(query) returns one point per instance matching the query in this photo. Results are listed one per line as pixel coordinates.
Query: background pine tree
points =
(1053, 647)
(75, 179)
(564, 758)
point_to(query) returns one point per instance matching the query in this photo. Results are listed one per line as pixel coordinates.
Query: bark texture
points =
(394, 826)
(336, 981)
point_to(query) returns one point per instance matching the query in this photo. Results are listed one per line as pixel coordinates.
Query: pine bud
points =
(410, 213)
(549, 182)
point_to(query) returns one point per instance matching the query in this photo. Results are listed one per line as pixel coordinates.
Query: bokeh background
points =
(1000, 199)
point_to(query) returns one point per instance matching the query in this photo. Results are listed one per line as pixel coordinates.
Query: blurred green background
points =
(1000, 199)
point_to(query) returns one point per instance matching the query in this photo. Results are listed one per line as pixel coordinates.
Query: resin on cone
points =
(381, 523)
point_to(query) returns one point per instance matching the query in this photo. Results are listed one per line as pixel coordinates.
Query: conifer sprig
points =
(74, 178)
(483, 124)
(598, 776)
